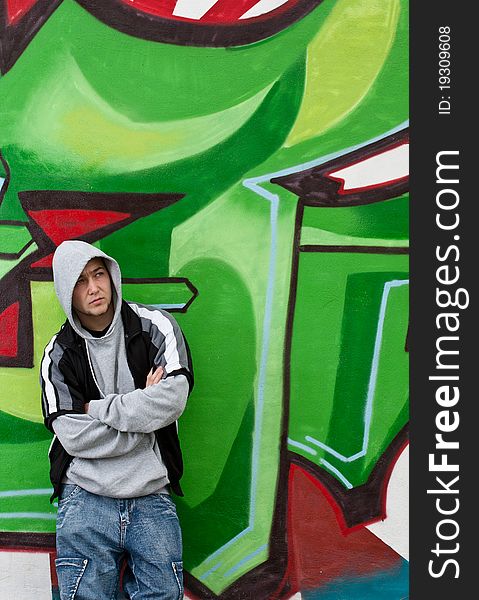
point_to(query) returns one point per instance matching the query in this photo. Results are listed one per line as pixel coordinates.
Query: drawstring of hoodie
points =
(92, 370)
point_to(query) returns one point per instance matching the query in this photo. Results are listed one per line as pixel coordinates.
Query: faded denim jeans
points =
(96, 534)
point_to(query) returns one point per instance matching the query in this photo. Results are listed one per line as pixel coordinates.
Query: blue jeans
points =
(96, 534)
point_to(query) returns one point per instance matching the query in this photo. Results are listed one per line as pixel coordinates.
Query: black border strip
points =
(356, 249)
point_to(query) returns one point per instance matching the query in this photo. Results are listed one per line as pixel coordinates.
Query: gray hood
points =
(69, 260)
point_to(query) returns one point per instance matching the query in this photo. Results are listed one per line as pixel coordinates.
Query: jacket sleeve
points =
(159, 405)
(86, 437)
(143, 411)
(166, 337)
(61, 392)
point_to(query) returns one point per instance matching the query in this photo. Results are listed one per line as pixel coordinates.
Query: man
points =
(115, 379)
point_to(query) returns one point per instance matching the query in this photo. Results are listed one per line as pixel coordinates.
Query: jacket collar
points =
(131, 323)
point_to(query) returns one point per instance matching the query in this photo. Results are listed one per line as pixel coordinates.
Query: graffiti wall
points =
(246, 162)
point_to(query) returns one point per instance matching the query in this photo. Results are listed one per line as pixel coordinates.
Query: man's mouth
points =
(96, 301)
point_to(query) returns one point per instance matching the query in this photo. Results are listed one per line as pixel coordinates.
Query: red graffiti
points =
(9, 330)
(17, 8)
(61, 225)
(321, 548)
(224, 12)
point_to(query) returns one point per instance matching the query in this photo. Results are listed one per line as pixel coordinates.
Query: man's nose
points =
(92, 286)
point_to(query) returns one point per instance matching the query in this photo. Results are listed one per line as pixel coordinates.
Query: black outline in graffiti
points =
(356, 249)
(366, 503)
(315, 187)
(15, 255)
(14, 38)
(134, 205)
(15, 287)
(27, 541)
(130, 20)
(4, 163)
(156, 280)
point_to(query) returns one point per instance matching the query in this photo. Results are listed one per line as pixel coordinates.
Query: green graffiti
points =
(292, 290)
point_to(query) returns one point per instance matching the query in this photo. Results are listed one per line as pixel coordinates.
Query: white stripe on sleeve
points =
(49, 389)
(172, 357)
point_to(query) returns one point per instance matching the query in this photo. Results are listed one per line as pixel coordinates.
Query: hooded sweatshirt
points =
(114, 446)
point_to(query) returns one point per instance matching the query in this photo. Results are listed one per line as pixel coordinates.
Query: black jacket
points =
(141, 350)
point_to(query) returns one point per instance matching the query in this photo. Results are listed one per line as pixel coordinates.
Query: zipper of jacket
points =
(130, 336)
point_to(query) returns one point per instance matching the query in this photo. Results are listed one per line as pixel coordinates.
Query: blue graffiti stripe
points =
(301, 446)
(28, 515)
(244, 560)
(15, 493)
(338, 474)
(372, 381)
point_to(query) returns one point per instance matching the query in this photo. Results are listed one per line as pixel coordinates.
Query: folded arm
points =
(143, 411)
(164, 399)
(83, 436)
(63, 409)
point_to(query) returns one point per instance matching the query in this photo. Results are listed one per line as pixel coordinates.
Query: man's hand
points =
(154, 376)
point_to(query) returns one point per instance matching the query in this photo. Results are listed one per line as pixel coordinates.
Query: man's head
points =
(92, 296)
(88, 286)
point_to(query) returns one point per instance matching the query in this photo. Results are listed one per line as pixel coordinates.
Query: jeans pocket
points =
(67, 493)
(67, 500)
(69, 573)
(165, 505)
(178, 571)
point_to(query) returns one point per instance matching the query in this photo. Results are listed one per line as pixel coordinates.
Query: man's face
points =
(92, 295)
